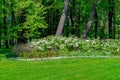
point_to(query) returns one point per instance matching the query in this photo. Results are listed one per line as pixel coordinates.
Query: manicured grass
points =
(61, 69)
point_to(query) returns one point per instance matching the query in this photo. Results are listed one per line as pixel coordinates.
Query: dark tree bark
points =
(49, 22)
(91, 17)
(102, 36)
(0, 35)
(21, 19)
(57, 15)
(67, 26)
(21, 38)
(78, 22)
(12, 22)
(114, 19)
(73, 18)
(42, 2)
(110, 19)
(96, 23)
(114, 28)
(5, 25)
(62, 19)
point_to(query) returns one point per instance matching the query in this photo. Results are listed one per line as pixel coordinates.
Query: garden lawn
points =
(61, 69)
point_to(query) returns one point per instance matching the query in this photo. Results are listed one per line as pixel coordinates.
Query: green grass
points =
(61, 69)
(4, 50)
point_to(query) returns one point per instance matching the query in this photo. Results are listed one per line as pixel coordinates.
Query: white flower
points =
(40, 48)
(87, 40)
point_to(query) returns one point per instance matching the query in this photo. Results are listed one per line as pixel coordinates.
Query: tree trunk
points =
(5, 25)
(73, 17)
(78, 22)
(0, 34)
(21, 38)
(91, 17)
(56, 19)
(67, 26)
(96, 23)
(62, 19)
(114, 19)
(110, 16)
(114, 29)
(12, 21)
(102, 36)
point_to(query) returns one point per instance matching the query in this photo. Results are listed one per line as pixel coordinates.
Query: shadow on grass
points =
(4, 50)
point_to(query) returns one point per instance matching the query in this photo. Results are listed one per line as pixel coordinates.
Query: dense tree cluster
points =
(24, 20)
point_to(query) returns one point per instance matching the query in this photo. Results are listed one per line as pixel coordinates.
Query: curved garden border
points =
(61, 57)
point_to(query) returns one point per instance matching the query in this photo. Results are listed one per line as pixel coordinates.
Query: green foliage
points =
(55, 4)
(34, 20)
(11, 55)
(34, 17)
(115, 53)
(58, 46)
(28, 19)
(56, 43)
(74, 43)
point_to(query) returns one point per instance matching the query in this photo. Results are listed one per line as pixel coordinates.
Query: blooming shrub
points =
(58, 45)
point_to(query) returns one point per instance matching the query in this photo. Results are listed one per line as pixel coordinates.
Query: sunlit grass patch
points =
(62, 69)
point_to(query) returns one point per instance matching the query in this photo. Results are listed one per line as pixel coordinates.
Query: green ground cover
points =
(61, 69)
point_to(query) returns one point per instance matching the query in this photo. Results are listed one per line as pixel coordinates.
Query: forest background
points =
(24, 20)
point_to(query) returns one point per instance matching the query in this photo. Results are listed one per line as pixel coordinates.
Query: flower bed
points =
(57, 45)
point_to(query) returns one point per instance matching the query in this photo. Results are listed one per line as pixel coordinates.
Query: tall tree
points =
(12, 21)
(78, 20)
(5, 24)
(62, 19)
(114, 18)
(110, 18)
(30, 19)
(91, 17)
(73, 17)
(0, 34)
(102, 36)
(1, 20)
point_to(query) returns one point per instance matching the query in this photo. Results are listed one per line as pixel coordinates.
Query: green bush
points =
(115, 53)
(58, 45)
(22, 48)
(11, 55)
(40, 54)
